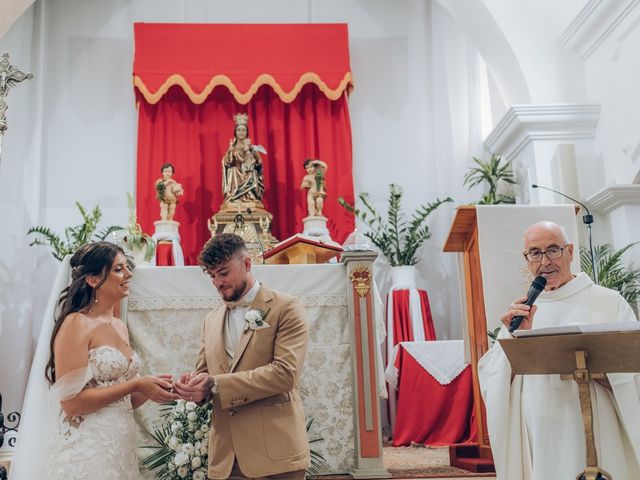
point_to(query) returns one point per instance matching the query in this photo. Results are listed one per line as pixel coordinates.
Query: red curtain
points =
(291, 79)
(194, 137)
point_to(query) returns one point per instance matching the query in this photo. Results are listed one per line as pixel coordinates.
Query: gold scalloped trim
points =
(244, 98)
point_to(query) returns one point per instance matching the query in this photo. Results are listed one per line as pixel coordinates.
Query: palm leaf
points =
(612, 272)
(492, 173)
(397, 240)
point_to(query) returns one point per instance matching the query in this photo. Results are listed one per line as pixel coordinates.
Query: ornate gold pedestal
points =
(250, 220)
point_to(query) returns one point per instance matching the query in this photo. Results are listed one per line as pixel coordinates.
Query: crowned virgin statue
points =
(242, 179)
(242, 211)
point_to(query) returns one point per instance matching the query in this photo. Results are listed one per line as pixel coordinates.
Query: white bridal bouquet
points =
(182, 442)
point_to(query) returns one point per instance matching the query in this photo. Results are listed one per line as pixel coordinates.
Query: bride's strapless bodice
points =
(100, 444)
(110, 366)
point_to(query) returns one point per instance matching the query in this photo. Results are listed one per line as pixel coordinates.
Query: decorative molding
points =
(614, 196)
(523, 124)
(578, 24)
(595, 23)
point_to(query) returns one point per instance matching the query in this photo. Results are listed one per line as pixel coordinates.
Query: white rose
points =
(191, 427)
(204, 428)
(173, 443)
(199, 434)
(181, 459)
(183, 471)
(199, 475)
(190, 406)
(180, 407)
(198, 445)
(193, 416)
(175, 426)
(187, 448)
(196, 462)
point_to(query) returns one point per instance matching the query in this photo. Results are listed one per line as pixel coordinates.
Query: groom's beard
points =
(236, 294)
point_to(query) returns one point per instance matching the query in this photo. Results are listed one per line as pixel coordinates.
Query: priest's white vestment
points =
(535, 422)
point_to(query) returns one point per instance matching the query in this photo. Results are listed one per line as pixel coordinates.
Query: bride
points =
(93, 373)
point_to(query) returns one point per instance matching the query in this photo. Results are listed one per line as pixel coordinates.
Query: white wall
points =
(72, 131)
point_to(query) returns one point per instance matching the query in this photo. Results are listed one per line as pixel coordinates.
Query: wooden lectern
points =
(580, 357)
(299, 249)
(463, 238)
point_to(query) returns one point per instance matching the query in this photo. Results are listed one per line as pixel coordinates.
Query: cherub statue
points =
(242, 166)
(167, 192)
(315, 185)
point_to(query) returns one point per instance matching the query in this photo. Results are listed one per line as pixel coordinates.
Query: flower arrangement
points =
(182, 442)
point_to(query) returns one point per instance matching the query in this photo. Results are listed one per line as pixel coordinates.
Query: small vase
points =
(403, 277)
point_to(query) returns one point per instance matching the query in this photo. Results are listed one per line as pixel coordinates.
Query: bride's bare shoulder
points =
(76, 324)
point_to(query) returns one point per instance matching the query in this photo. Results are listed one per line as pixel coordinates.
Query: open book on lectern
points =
(586, 328)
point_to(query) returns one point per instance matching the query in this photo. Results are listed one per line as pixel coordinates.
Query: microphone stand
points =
(587, 220)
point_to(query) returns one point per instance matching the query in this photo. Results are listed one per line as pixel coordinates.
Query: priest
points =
(534, 421)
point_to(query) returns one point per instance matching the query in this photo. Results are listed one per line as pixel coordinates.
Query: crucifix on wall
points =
(9, 76)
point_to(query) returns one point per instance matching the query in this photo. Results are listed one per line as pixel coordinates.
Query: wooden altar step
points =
(472, 458)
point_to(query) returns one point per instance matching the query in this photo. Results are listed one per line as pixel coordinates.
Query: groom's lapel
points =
(261, 302)
(217, 338)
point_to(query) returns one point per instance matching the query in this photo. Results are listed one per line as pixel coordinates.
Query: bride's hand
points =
(156, 389)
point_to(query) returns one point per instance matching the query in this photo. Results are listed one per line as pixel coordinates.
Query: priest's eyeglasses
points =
(552, 253)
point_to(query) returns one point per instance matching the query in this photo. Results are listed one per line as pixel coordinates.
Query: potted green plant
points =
(492, 173)
(74, 237)
(140, 245)
(612, 272)
(397, 239)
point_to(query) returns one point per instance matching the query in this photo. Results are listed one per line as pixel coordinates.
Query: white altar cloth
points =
(165, 311)
(442, 359)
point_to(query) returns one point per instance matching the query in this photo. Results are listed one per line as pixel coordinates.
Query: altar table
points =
(165, 311)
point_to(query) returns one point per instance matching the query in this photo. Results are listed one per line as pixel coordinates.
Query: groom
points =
(251, 355)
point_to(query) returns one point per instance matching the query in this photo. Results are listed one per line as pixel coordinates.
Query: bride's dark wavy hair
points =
(92, 259)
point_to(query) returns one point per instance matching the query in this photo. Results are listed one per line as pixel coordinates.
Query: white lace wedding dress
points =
(101, 444)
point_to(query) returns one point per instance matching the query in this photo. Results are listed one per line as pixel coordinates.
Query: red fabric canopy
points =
(200, 57)
(291, 80)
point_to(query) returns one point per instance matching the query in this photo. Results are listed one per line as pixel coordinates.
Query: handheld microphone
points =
(537, 286)
(250, 212)
(586, 219)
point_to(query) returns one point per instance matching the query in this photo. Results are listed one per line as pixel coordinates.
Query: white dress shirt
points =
(235, 323)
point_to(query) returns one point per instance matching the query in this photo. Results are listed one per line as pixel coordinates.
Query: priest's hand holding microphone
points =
(521, 311)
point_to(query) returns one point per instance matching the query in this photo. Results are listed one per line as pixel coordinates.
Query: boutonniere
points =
(254, 320)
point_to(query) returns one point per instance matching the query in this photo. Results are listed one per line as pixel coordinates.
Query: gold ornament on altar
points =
(241, 119)
(361, 279)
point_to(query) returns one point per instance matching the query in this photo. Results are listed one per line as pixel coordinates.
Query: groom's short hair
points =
(220, 249)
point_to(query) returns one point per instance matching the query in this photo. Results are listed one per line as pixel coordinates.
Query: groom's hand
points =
(194, 387)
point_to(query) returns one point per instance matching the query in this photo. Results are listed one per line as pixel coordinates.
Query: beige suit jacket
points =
(257, 411)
